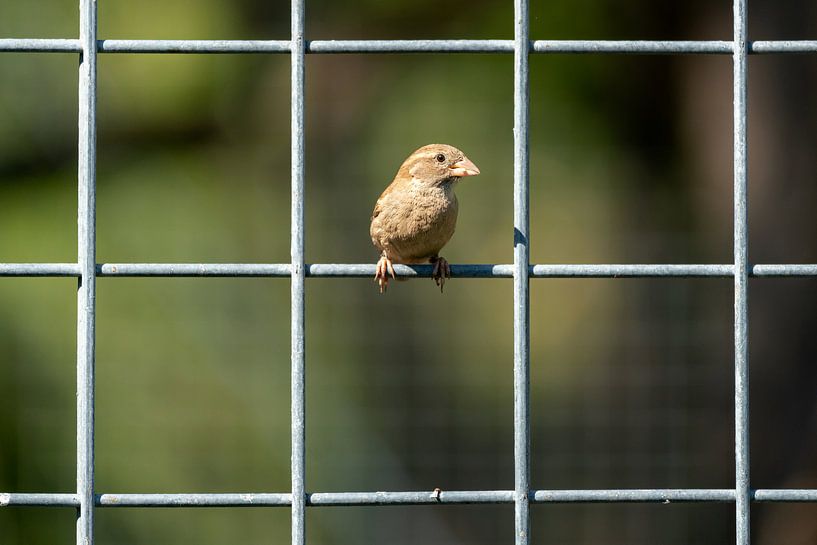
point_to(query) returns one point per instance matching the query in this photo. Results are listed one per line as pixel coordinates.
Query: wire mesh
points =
(86, 270)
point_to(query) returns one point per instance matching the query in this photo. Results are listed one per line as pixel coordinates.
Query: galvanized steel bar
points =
(16, 499)
(390, 46)
(741, 255)
(193, 46)
(634, 495)
(711, 47)
(37, 45)
(785, 495)
(790, 270)
(672, 495)
(649, 47)
(39, 269)
(282, 270)
(315, 499)
(298, 361)
(195, 500)
(365, 270)
(410, 498)
(521, 283)
(630, 271)
(783, 46)
(86, 291)
(409, 46)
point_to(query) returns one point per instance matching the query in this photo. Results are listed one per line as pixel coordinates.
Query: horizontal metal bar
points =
(785, 495)
(629, 271)
(409, 498)
(364, 270)
(632, 46)
(630, 495)
(54, 45)
(783, 270)
(193, 46)
(195, 269)
(315, 499)
(193, 500)
(707, 47)
(39, 269)
(783, 46)
(409, 46)
(39, 500)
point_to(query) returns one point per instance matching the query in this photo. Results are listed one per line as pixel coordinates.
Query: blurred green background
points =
(631, 162)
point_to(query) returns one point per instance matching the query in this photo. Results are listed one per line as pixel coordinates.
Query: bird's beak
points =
(464, 168)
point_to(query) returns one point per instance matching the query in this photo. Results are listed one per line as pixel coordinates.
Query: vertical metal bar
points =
(298, 463)
(741, 250)
(521, 284)
(86, 289)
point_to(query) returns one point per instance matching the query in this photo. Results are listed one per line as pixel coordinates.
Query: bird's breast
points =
(416, 223)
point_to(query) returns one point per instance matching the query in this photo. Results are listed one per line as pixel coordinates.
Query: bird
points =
(417, 213)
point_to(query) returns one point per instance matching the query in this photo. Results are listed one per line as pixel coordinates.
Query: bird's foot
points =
(382, 271)
(441, 271)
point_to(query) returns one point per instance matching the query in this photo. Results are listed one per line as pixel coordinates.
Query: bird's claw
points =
(441, 271)
(382, 271)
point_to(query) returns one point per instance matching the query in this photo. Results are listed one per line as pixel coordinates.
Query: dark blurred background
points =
(632, 380)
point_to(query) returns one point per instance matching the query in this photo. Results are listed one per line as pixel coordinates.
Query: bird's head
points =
(436, 164)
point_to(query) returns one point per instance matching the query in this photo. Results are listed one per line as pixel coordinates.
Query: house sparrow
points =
(416, 215)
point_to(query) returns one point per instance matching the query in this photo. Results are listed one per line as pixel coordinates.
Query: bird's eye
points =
(440, 158)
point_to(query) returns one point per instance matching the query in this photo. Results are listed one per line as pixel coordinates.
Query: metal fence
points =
(85, 499)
